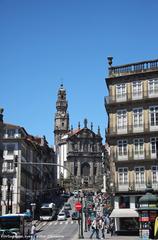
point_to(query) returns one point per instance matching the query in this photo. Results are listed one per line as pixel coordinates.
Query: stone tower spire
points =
(61, 121)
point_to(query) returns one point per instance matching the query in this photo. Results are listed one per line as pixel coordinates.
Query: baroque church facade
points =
(79, 151)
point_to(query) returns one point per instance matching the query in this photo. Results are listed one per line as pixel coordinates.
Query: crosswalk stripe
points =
(46, 224)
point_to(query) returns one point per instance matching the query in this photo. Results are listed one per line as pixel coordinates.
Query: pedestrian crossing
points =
(41, 225)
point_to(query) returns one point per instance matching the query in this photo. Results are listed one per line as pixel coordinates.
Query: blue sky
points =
(46, 42)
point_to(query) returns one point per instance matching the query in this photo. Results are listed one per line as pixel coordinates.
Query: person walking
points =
(33, 232)
(95, 229)
(89, 222)
(102, 227)
(112, 228)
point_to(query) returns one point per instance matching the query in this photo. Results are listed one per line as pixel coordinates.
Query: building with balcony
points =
(1, 153)
(24, 177)
(132, 134)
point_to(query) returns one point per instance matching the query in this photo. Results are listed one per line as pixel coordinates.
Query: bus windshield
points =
(46, 211)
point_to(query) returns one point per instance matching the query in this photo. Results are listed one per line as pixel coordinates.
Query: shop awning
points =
(124, 213)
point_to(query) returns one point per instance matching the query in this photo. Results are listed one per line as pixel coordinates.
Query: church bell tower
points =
(61, 121)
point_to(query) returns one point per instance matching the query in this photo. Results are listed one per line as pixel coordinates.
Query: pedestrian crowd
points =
(100, 226)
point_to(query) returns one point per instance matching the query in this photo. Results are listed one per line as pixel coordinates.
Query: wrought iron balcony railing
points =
(132, 155)
(126, 97)
(134, 128)
(134, 186)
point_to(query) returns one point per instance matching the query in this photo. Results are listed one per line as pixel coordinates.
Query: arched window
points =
(85, 169)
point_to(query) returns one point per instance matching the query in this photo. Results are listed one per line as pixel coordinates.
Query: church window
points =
(85, 147)
(75, 171)
(85, 170)
(95, 171)
(62, 124)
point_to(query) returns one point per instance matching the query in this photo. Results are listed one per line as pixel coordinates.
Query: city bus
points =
(15, 226)
(48, 211)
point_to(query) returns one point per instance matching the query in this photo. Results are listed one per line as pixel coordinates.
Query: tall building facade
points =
(78, 151)
(25, 179)
(132, 133)
(1, 152)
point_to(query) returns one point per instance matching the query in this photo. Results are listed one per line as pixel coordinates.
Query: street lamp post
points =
(33, 206)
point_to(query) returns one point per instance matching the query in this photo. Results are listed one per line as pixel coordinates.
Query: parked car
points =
(67, 206)
(75, 216)
(61, 216)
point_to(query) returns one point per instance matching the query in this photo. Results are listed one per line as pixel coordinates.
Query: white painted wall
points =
(62, 158)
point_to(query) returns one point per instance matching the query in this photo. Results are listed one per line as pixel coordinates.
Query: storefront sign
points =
(143, 219)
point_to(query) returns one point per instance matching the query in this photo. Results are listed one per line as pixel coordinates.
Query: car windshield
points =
(67, 204)
(61, 214)
(46, 211)
(75, 213)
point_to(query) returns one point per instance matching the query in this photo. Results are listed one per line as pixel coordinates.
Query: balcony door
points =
(138, 120)
(137, 90)
(122, 121)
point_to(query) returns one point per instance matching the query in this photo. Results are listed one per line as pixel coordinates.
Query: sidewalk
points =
(108, 236)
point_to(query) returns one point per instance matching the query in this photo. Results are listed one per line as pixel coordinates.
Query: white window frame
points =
(137, 90)
(138, 119)
(153, 87)
(154, 174)
(138, 144)
(153, 147)
(123, 175)
(153, 117)
(121, 92)
(8, 166)
(122, 120)
(140, 175)
(122, 149)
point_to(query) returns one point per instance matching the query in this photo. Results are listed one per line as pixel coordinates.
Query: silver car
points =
(61, 216)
